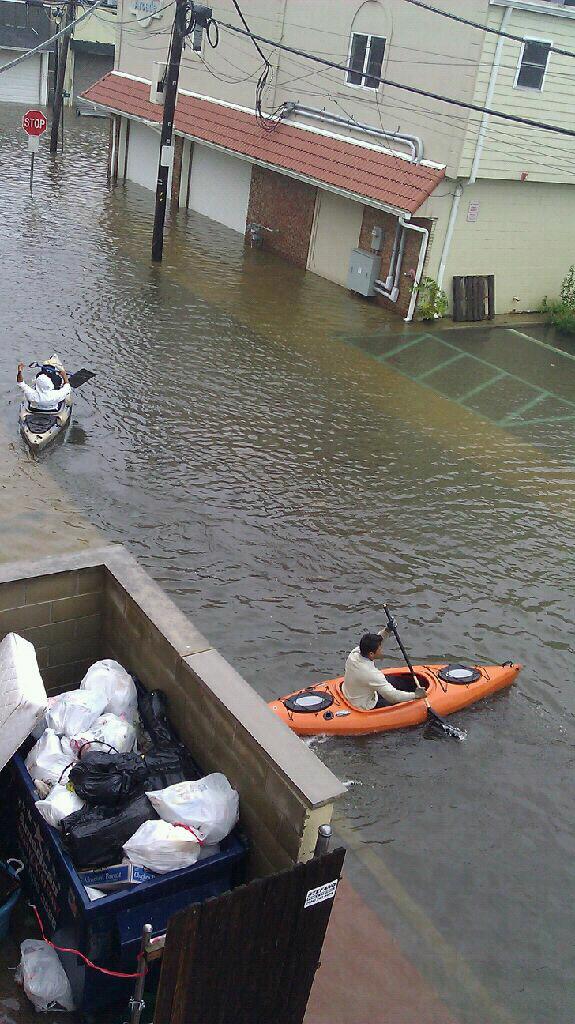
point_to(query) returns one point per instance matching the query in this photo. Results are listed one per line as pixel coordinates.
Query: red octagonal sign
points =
(34, 122)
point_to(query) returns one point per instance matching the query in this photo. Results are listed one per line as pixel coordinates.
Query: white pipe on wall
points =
(489, 98)
(449, 234)
(418, 273)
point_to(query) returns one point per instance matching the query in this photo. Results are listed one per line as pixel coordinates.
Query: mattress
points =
(23, 699)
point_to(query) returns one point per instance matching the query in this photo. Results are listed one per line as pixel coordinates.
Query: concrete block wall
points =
(61, 614)
(285, 205)
(78, 609)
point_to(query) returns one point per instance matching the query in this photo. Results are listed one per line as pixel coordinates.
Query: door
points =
(220, 187)
(249, 956)
(22, 83)
(144, 156)
(335, 233)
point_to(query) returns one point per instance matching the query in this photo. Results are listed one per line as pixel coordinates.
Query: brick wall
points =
(101, 604)
(287, 206)
(377, 218)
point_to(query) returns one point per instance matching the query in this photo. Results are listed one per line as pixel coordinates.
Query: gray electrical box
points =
(363, 271)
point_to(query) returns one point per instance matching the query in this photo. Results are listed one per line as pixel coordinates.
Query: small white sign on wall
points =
(473, 211)
(323, 892)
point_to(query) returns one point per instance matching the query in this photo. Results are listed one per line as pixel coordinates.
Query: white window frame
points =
(370, 36)
(532, 88)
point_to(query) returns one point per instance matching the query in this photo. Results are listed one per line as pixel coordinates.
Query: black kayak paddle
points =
(433, 717)
(80, 377)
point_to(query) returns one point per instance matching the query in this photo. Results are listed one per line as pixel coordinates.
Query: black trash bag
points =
(152, 707)
(94, 836)
(167, 767)
(107, 779)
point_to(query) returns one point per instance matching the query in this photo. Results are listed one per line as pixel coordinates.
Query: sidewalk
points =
(364, 978)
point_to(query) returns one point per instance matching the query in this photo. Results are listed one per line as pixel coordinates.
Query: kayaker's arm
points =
(393, 696)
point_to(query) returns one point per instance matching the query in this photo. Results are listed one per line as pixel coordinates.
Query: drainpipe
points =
(390, 287)
(413, 141)
(449, 233)
(488, 99)
(381, 288)
(419, 271)
(392, 263)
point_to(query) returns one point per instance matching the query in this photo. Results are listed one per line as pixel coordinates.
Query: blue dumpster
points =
(108, 930)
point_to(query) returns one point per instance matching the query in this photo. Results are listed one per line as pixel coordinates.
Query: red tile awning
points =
(359, 171)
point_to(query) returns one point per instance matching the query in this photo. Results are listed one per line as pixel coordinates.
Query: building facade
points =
(22, 27)
(346, 162)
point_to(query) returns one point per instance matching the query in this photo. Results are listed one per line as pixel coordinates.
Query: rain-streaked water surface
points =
(248, 440)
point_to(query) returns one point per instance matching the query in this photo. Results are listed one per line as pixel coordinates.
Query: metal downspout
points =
(489, 97)
(449, 233)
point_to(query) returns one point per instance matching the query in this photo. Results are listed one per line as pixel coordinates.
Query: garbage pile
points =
(113, 777)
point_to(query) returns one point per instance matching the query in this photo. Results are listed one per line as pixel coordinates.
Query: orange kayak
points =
(322, 708)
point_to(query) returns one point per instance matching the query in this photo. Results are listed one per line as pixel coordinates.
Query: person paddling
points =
(52, 387)
(364, 685)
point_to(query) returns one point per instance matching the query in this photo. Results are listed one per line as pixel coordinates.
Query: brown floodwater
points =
(253, 439)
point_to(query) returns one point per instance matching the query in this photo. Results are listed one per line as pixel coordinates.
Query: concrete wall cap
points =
(299, 765)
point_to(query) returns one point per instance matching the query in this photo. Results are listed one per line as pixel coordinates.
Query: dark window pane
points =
(530, 76)
(374, 63)
(535, 53)
(357, 59)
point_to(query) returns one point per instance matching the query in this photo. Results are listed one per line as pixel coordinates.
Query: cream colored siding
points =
(510, 149)
(422, 50)
(335, 232)
(220, 187)
(523, 234)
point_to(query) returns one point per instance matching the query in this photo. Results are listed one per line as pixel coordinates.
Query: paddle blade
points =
(80, 377)
(445, 726)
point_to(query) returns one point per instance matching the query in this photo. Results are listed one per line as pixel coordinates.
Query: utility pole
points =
(200, 20)
(57, 108)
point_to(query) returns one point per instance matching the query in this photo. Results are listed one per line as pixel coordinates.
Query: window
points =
(532, 64)
(365, 61)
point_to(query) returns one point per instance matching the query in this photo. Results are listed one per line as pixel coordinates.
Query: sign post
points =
(34, 124)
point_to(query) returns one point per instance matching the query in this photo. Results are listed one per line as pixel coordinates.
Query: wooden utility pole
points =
(170, 96)
(63, 45)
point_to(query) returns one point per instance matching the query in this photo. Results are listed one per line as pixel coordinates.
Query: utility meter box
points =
(363, 271)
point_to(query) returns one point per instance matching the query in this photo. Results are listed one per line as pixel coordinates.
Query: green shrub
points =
(561, 312)
(432, 302)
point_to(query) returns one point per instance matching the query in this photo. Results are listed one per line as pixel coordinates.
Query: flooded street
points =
(259, 440)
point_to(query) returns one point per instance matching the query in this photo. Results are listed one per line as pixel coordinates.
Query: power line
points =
(482, 28)
(58, 35)
(515, 119)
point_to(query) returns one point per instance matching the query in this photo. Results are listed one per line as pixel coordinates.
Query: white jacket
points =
(364, 682)
(44, 396)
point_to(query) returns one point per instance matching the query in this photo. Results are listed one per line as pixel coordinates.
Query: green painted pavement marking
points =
(547, 419)
(436, 369)
(402, 347)
(526, 405)
(481, 387)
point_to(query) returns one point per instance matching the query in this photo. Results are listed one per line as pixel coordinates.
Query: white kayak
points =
(40, 428)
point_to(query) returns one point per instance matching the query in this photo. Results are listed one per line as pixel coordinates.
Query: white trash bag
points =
(51, 758)
(43, 977)
(58, 805)
(109, 678)
(210, 806)
(110, 731)
(162, 847)
(75, 712)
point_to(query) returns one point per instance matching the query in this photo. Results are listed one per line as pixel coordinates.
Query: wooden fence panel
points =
(250, 955)
(474, 297)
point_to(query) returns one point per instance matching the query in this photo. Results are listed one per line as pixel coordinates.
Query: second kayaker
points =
(364, 685)
(45, 396)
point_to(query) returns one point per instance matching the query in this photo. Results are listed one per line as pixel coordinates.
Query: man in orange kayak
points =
(364, 685)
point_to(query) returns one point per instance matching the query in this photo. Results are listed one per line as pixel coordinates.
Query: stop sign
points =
(34, 122)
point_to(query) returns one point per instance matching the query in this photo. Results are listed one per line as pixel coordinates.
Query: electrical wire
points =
(483, 28)
(58, 35)
(450, 101)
